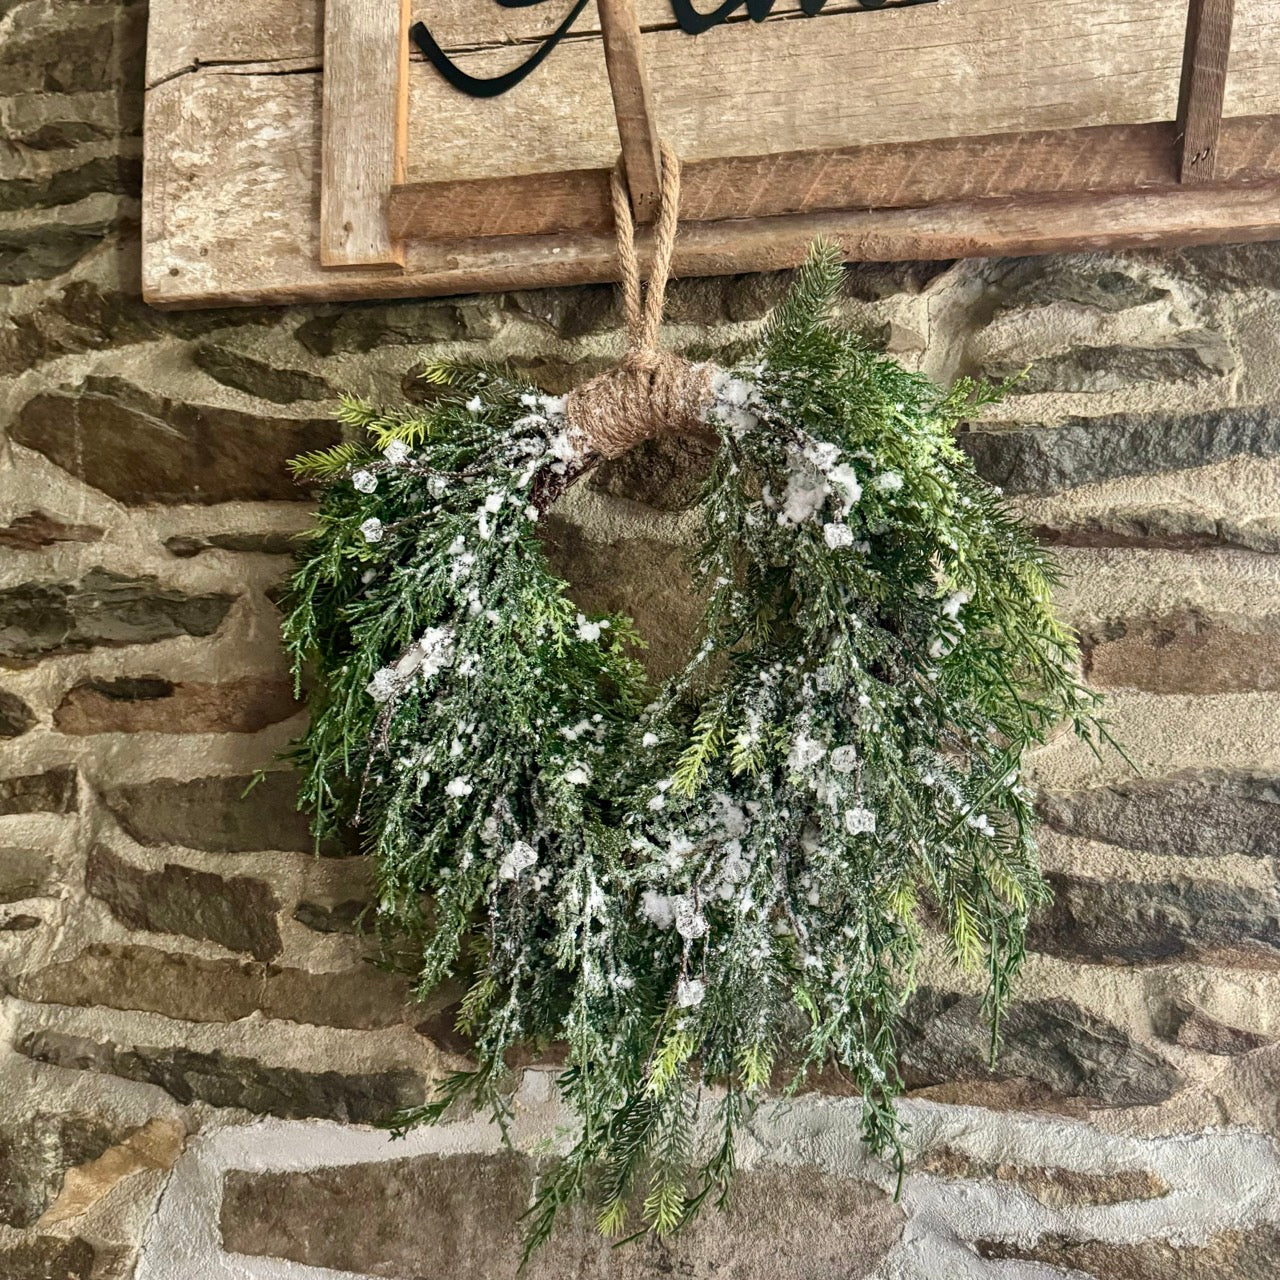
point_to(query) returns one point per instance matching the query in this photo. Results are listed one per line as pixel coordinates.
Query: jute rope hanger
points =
(651, 392)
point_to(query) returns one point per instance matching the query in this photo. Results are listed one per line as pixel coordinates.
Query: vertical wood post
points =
(363, 129)
(1204, 83)
(637, 131)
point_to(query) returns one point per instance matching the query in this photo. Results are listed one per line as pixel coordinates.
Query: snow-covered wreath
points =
(717, 887)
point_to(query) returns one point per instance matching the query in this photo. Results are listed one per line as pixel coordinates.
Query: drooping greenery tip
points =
(717, 887)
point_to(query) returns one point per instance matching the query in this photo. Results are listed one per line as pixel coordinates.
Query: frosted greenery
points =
(718, 887)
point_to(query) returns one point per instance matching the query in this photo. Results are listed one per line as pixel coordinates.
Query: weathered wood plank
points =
(629, 87)
(1107, 158)
(1202, 90)
(238, 222)
(363, 117)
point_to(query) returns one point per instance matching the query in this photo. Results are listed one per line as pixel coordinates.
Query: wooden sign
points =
(339, 149)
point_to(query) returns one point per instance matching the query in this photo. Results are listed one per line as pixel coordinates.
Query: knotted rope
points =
(651, 392)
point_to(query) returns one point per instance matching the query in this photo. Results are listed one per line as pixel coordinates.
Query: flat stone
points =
(1058, 1049)
(37, 530)
(53, 791)
(1038, 282)
(1232, 1255)
(101, 610)
(186, 545)
(35, 1154)
(89, 56)
(236, 912)
(219, 815)
(37, 253)
(667, 474)
(462, 1213)
(235, 368)
(20, 923)
(1124, 922)
(142, 449)
(15, 716)
(1194, 814)
(226, 1080)
(156, 705)
(1097, 369)
(111, 175)
(570, 313)
(404, 324)
(1053, 1186)
(645, 579)
(1185, 652)
(57, 1258)
(1162, 529)
(198, 990)
(24, 873)
(1042, 460)
(337, 917)
(1192, 1028)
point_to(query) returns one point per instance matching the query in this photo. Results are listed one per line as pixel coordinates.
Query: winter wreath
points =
(718, 887)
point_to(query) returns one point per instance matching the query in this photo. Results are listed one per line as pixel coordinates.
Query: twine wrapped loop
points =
(651, 392)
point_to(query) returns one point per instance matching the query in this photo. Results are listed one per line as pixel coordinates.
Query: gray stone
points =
(1192, 1028)
(94, 54)
(1162, 529)
(53, 791)
(361, 328)
(1042, 460)
(36, 253)
(142, 448)
(102, 610)
(667, 473)
(1121, 922)
(184, 546)
(221, 815)
(57, 1258)
(234, 368)
(35, 1154)
(645, 579)
(1207, 814)
(1078, 281)
(570, 313)
(24, 873)
(113, 175)
(340, 917)
(15, 716)
(461, 1212)
(154, 705)
(198, 990)
(1232, 1255)
(236, 912)
(1096, 369)
(1058, 1050)
(37, 529)
(227, 1080)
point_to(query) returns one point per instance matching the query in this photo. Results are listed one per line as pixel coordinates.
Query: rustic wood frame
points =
(1197, 179)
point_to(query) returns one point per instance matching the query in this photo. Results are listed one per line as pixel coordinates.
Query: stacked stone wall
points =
(193, 1043)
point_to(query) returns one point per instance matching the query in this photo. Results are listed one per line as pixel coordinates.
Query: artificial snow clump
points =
(371, 529)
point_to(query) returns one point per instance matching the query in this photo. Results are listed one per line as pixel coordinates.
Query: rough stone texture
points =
(1125, 922)
(145, 517)
(101, 610)
(1206, 814)
(228, 1080)
(1053, 1046)
(1182, 653)
(236, 912)
(152, 704)
(143, 448)
(1234, 1255)
(198, 990)
(221, 815)
(792, 1224)
(1086, 450)
(53, 791)
(1055, 1188)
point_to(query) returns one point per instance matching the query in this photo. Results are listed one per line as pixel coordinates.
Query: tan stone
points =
(160, 706)
(156, 1145)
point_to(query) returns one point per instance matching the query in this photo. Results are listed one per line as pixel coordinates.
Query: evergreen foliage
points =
(719, 886)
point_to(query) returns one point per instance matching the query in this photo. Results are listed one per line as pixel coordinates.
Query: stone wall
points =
(193, 1044)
